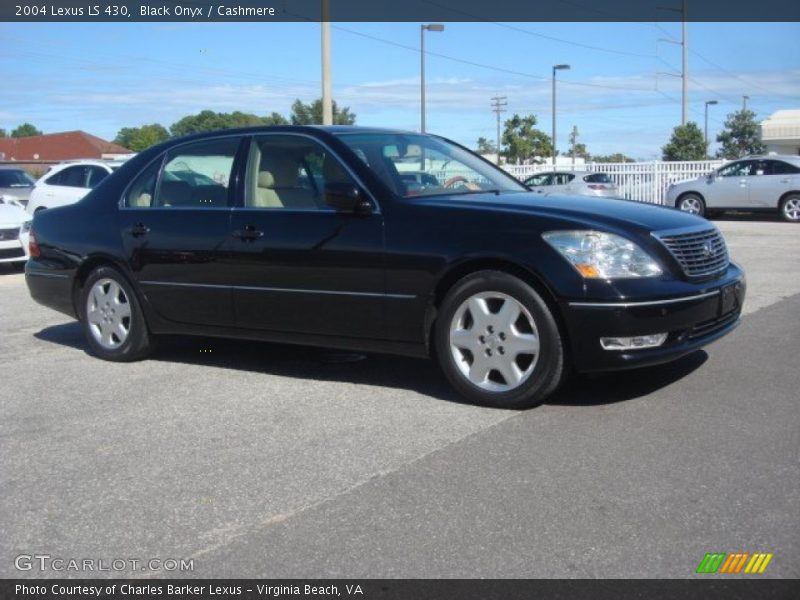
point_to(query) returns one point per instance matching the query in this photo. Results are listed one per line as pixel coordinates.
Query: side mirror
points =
(346, 198)
(711, 177)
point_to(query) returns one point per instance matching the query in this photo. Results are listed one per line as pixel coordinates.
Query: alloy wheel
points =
(494, 341)
(108, 313)
(691, 205)
(791, 209)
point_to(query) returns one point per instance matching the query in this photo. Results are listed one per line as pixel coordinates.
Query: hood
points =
(583, 210)
(12, 216)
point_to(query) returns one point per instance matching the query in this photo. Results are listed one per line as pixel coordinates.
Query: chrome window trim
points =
(276, 289)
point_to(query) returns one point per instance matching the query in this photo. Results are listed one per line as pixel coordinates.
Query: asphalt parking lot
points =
(274, 461)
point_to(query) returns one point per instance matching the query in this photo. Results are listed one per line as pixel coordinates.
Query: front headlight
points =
(600, 255)
(26, 227)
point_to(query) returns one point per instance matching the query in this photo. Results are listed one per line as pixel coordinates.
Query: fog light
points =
(633, 343)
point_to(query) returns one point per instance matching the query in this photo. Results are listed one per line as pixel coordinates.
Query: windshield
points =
(422, 165)
(12, 178)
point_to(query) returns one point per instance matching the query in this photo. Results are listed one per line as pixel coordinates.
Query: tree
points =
(3, 133)
(141, 138)
(522, 142)
(741, 136)
(687, 143)
(208, 120)
(25, 130)
(485, 146)
(311, 114)
(617, 157)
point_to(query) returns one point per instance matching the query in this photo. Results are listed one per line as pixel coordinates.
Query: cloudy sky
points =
(101, 77)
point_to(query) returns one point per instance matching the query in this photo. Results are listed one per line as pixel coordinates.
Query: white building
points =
(781, 132)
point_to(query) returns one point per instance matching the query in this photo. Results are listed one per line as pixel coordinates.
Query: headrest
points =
(266, 179)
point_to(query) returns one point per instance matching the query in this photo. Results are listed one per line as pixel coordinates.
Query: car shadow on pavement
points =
(418, 375)
(619, 386)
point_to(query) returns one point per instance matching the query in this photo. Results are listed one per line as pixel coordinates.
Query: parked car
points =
(68, 182)
(313, 238)
(15, 224)
(756, 183)
(15, 185)
(582, 183)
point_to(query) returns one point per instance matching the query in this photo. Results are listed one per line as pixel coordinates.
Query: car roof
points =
(786, 157)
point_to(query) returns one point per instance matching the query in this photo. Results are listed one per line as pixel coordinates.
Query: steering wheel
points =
(454, 180)
(463, 180)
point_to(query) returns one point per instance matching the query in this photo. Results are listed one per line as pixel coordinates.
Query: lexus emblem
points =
(708, 250)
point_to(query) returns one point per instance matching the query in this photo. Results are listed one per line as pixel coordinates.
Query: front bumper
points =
(691, 321)
(14, 250)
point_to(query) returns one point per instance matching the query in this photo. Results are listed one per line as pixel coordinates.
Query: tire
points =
(507, 375)
(692, 204)
(112, 318)
(790, 208)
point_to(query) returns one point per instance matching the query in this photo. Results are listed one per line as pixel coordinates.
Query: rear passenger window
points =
(197, 175)
(70, 177)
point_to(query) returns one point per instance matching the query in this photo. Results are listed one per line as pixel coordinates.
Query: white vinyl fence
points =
(643, 181)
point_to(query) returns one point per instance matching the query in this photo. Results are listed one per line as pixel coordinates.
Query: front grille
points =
(701, 253)
(9, 234)
(12, 253)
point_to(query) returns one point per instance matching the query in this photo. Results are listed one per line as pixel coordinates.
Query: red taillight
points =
(33, 247)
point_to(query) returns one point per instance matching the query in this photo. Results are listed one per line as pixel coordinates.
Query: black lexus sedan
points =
(383, 241)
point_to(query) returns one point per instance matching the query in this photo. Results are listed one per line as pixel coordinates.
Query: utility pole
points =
(744, 102)
(327, 95)
(573, 142)
(685, 70)
(498, 106)
(556, 68)
(684, 44)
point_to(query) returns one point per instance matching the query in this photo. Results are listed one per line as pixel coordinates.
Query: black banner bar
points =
(713, 588)
(399, 10)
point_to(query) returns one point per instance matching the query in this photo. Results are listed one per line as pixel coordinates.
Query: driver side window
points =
(737, 169)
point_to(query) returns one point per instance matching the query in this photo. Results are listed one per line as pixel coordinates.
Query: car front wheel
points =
(498, 343)
(692, 204)
(111, 317)
(790, 208)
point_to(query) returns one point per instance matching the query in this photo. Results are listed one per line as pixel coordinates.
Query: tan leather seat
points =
(277, 185)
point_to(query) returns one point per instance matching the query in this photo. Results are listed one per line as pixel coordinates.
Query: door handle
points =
(248, 234)
(139, 229)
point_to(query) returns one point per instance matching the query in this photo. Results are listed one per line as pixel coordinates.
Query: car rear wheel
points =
(498, 343)
(790, 208)
(692, 204)
(111, 317)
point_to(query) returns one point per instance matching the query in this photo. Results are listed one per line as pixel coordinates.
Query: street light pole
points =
(556, 68)
(708, 103)
(744, 102)
(422, 29)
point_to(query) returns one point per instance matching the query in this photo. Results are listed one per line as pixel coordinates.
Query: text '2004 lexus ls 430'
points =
(381, 241)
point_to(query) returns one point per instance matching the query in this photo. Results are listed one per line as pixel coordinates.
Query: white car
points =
(579, 183)
(755, 183)
(68, 182)
(15, 225)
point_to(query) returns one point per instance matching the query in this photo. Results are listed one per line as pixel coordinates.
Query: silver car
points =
(582, 183)
(753, 183)
(15, 185)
